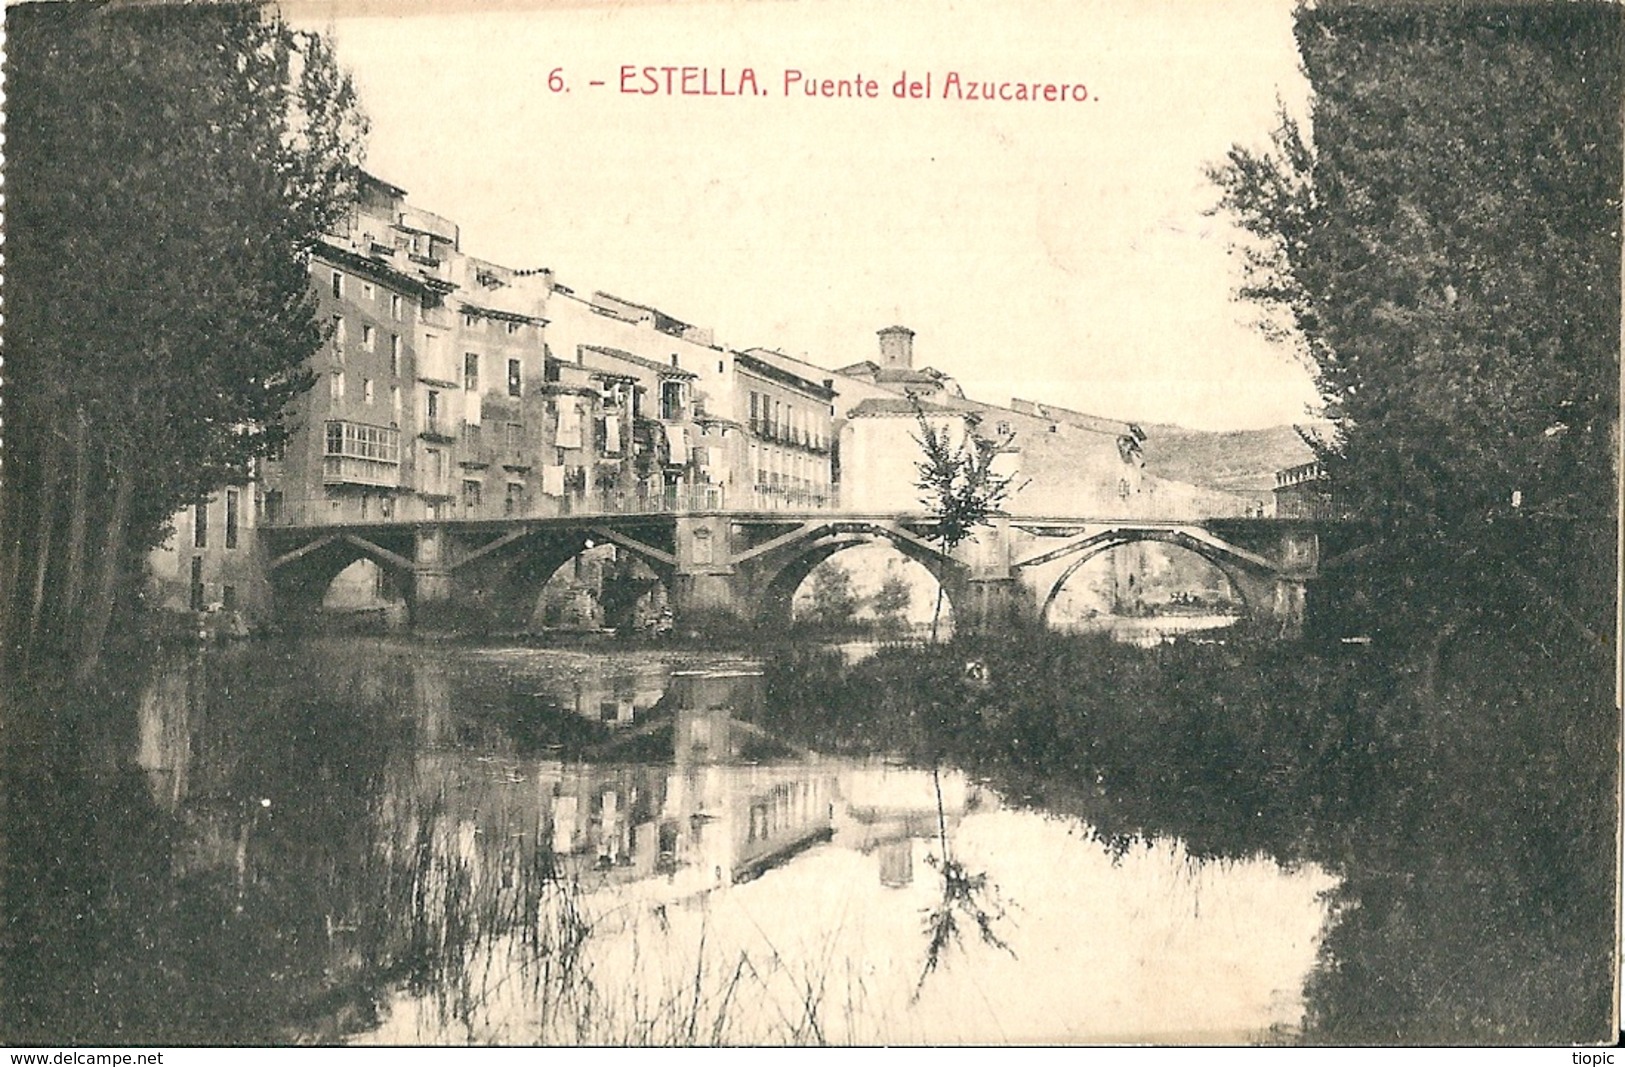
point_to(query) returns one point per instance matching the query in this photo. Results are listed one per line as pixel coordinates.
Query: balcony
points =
(650, 501)
(358, 454)
(352, 470)
(780, 434)
(438, 429)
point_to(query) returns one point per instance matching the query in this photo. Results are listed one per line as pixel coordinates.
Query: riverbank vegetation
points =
(1468, 809)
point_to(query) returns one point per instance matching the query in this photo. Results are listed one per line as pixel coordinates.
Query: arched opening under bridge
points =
(869, 589)
(365, 595)
(919, 566)
(603, 586)
(1145, 591)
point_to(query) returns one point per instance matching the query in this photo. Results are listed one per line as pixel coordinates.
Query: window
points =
(228, 597)
(233, 501)
(433, 405)
(513, 498)
(471, 494)
(200, 524)
(395, 354)
(368, 291)
(367, 333)
(358, 454)
(512, 434)
(336, 385)
(338, 335)
(273, 505)
(395, 306)
(513, 377)
(432, 362)
(197, 583)
(755, 412)
(671, 400)
(470, 320)
(513, 328)
(471, 371)
(436, 468)
(338, 285)
(366, 505)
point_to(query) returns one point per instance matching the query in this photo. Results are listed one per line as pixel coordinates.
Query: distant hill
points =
(1238, 461)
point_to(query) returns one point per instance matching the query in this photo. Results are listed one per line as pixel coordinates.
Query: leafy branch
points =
(958, 483)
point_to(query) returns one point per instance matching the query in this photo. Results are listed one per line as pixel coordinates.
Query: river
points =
(372, 840)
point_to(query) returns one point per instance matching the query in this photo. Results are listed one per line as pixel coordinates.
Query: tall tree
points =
(1445, 249)
(171, 168)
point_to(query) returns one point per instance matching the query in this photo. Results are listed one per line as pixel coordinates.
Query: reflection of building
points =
(471, 829)
(892, 813)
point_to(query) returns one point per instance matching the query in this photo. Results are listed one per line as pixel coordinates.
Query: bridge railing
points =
(316, 511)
(695, 498)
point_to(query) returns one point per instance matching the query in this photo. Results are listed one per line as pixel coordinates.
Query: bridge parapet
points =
(747, 564)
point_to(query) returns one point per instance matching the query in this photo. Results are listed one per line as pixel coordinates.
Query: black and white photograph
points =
(767, 523)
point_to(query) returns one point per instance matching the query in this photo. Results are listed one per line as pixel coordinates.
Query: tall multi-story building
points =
(453, 388)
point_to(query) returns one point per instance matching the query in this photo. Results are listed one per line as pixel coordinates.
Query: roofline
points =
(506, 316)
(383, 272)
(784, 377)
(640, 361)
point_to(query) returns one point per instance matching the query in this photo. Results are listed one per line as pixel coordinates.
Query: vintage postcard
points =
(766, 523)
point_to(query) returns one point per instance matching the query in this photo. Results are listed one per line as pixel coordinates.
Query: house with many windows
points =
(451, 388)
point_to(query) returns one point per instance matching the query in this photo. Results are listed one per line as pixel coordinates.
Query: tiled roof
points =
(639, 361)
(901, 405)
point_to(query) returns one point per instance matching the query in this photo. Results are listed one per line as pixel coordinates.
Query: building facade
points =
(452, 388)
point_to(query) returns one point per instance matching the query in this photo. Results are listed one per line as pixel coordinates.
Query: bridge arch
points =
(1252, 578)
(300, 579)
(775, 579)
(502, 585)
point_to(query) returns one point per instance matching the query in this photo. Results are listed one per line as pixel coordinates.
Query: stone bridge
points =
(733, 568)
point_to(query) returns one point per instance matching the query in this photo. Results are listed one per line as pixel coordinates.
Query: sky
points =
(1054, 251)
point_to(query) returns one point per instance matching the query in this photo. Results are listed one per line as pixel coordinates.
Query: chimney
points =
(897, 347)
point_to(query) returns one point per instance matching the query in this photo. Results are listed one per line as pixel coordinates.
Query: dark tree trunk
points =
(99, 611)
(78, 520)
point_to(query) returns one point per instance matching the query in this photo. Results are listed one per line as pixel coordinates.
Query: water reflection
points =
(514, 845)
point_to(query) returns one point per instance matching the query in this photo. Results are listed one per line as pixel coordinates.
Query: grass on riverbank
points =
(1464, 790)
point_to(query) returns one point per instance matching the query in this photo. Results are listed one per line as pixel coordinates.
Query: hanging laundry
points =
(472, 408)
(612, 435)
(553, 480)
(677, 443)
(569, 435)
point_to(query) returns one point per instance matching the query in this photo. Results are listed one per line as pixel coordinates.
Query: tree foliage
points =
(961, 489)
(171, 168)
(833, 598)
(892, 600)
(1445, 248)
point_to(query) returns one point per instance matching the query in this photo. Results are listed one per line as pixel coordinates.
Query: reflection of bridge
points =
(746, 566)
